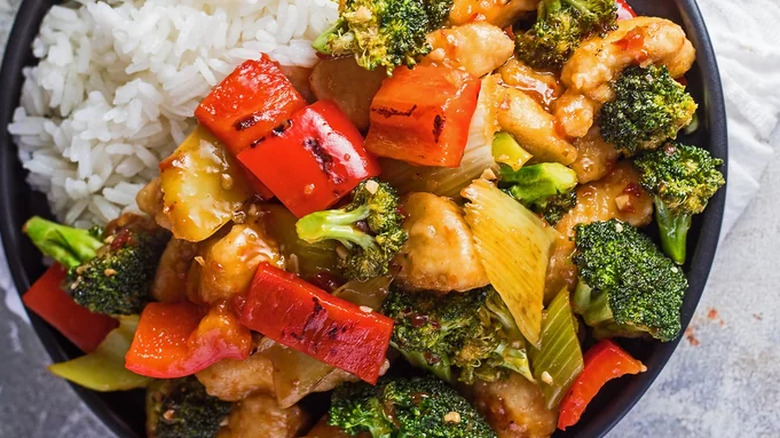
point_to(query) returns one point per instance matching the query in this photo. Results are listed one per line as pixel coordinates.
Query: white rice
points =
(118, 82)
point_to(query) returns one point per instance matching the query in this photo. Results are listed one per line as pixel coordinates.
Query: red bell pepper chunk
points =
(303, 317)
(176, 340)
(248, 103)
(312, 160)
(603, 362)
(422, 115)
(264, 192)
(49, 301)
(624, 11)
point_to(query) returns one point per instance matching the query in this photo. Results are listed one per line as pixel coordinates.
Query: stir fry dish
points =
(446, 231)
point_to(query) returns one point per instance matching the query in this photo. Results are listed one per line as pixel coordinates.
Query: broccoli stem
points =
(336, 225)
(321, 43)
(592, 305)
(674, 231)
(515, 359)
(69, 246)
(501, 313)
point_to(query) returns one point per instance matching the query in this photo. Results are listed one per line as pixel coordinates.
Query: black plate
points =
(123, 412)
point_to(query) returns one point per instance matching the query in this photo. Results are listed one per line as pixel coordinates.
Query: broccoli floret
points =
(649, 108)
(465, 335)
(420, 407)
(383, 33)
(181, 408)
(107, 274)
(682, 178)
(545, 188)
(369, 228)
(560, 27)
(558, 205)
(627, 287)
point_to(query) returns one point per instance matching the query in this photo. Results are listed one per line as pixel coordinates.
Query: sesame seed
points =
(200, 260)
(547, 378)
(366, 309)
(294, 263)
(226, 181)
(619, 228)
(109, 272)
(372, 186)
(452, 417)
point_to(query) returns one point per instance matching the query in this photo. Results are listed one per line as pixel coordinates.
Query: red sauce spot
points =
(418, 320)
(510, 32)
(120, 239)
(691, 337)
(633, 189)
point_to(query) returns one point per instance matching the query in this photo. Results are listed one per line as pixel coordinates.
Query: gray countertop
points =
(721, 382)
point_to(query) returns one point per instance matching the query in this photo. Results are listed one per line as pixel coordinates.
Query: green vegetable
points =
(506, 150)
(545, 188)
(383, 33)
(627, 287)
(557, 206)
(420, 407)
(305, 259)
(683, 178)
(513, 245)
(111, 275)
(181, 408)
(369, 228)
(468, 335)
(561, 355)
(67, 245)
(560, 27)
(649, 108)
(104, 369)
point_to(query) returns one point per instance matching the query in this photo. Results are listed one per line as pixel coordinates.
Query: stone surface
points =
(721, 382)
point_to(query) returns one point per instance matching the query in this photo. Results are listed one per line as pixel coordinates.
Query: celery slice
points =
(559, 361)
(104, 369)
(514, 247)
